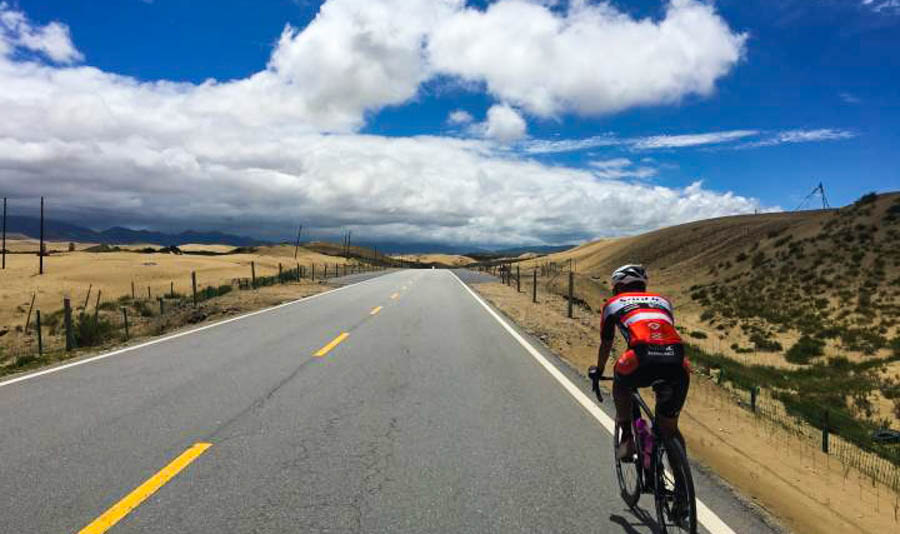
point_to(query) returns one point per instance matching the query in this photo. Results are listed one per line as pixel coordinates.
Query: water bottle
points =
(646, 441)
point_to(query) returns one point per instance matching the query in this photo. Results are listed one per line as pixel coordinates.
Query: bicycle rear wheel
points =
(628, 471)
(676, 506)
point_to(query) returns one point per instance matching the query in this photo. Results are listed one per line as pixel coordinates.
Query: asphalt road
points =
(429, 416)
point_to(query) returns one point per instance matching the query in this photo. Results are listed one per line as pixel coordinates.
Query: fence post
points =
(87, 298)
(280, 275)
(312, 272)
(3, 245)
(298, 271)
(253, 274)
(825, 434)
(132, 290)
(31, 307)
(149, 297)
(194, 286)
(97, 305)
(534, 286)
(518, 280)
(125, 317)
(754, 391)
(67, 307)
(162, 308)
(571, 284)
(37, 324)
(326, 271)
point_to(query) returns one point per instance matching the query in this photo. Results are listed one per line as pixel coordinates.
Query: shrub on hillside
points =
(91, 330)
(696, 334)
(764, 344)
(805, 350)
(143, 308)
(758, 259)
(782, 241)
(868, 198)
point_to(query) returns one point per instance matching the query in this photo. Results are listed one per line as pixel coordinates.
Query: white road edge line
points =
(705, 516)
(179, 334)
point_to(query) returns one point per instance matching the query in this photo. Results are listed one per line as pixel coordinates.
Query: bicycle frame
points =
(650, 480)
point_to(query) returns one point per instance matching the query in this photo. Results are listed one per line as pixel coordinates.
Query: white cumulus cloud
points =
(504, 124)
(257, 155)
(53, 40)
(459, 116)
(588, 59)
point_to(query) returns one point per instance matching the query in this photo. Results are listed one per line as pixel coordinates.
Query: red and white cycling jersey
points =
(643, 318)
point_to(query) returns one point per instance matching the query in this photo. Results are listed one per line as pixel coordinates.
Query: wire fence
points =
(831, 430)
(874, 460)
(94, 318)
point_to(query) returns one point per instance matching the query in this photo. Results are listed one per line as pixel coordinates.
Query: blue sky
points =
(812, 97)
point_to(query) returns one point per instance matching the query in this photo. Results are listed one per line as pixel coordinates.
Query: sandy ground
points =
(72, 273)
(807, 490)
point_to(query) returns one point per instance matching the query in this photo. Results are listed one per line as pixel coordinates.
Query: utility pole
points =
(4, 233)
(41, 250)
(297, 244)
(820, 189)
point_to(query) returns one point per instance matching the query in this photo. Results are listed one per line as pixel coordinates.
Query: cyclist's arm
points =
(607, 335)
(603, 353)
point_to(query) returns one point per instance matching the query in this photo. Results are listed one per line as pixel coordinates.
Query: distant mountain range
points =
(63, 231)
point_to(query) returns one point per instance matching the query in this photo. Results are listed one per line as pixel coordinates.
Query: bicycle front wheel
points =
(676, 505)
(628, 470)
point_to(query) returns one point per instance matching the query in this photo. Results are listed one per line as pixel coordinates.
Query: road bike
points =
(659, 466)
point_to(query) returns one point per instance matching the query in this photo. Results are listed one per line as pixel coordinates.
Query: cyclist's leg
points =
(670, 397)
(625, 372)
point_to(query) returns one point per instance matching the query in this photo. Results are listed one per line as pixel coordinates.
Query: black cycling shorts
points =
(670, 383)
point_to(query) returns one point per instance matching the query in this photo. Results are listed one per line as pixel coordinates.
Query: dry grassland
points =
(72, 273)
(452, 260)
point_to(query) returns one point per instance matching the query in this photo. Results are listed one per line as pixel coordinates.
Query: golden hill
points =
(783, 289)
(449, 260)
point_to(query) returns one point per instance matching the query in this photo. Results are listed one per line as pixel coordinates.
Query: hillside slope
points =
(788, 290)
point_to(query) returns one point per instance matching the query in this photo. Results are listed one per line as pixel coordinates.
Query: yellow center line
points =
(334, 343)
(375, 310)
(148, 488)
(395, 295)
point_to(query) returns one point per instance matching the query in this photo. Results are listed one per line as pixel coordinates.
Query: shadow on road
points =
(642, 522)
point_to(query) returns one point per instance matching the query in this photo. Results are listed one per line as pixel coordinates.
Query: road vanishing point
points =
(400, 402)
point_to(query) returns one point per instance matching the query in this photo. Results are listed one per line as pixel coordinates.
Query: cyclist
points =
(654, 356)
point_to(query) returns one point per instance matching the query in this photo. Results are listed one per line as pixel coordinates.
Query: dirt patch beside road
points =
(809, 491)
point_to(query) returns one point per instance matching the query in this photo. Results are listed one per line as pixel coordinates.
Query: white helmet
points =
(628, 274)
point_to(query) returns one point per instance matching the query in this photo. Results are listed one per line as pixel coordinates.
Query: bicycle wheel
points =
(676, 507)
(628, 472)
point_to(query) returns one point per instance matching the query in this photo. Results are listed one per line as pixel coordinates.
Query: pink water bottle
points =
(646, 440)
